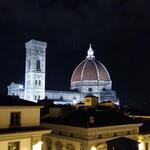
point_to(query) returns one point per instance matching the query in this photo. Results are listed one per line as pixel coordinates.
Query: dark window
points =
(15, 119)
(48, 147)
(115, 134)
(90, 89)
(61, 98)
(35, 82)
(29, 64)
(100, 136)
(59, 146)
(128, 133)
(13, 146)
(71, 134)
(113, 148)
(48, 142)
(35, 97)
(39, 97)
(39, 82)
(38, 65)
(104, 89)
(70, 147)
(146, 146)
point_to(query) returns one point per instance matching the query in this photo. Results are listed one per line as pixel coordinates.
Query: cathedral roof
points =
(90, 69)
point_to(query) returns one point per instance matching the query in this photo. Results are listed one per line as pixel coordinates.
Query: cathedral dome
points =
(90, 70)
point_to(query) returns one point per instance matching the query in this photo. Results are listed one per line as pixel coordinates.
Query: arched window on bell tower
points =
(90, 89)
(29, 64)
(38, 65)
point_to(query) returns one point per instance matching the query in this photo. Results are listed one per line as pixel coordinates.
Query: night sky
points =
(119, 31)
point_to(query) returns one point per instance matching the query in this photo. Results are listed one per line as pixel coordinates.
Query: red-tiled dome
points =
(90, 69)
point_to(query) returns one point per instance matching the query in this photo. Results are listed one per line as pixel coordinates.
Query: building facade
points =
(90, 127)
(93, 126)
(20, 125)
(90, 76)
(65, 137)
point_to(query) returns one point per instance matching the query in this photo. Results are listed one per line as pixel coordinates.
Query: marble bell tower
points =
(35, 70)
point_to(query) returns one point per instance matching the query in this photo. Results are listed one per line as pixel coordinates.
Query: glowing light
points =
(93, 148)
(141, 146)
(74, 102)
(38, 146)
(20, 86)
(140, 138)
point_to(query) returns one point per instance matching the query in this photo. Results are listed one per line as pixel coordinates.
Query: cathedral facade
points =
(89, 77)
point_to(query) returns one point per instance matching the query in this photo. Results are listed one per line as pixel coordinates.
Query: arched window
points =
(61, 98)
(38, 65)
(90, 89)
(29, 64)
(35, 82)
(70, 147)
(59, 146)
(104, 89)
(48, 143)
(71, 134)
(100, 146)
(39, 82)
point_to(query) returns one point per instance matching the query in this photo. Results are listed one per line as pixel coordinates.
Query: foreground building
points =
(94, 126)
(20, 125)
(90, 126)
(144, 130)
(93, 133)
(90, 76)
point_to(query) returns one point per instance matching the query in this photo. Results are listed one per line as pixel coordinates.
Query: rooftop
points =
(80, 118)
(37, 42)
(21, 129)
(15, 101)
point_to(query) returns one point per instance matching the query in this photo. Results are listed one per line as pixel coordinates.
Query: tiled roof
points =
(90, 69)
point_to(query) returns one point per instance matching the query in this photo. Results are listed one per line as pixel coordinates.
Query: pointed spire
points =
(90, 52)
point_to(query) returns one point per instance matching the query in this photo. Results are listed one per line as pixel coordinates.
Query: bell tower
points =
(35, 70)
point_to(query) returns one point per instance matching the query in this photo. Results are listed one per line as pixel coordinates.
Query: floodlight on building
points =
(38, 145)
(20, 86)
(93, 148)
(141, 146)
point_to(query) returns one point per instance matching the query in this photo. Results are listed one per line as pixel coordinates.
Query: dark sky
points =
(119, 31)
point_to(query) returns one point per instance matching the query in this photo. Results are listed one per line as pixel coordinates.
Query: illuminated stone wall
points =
(24, 144)
(88, 138)
(144, 141)
(21, 134)
(35, 70)
(66, 96)
(29, 116)
(34, 88)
